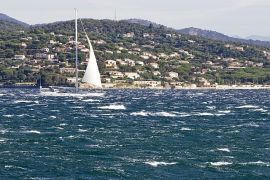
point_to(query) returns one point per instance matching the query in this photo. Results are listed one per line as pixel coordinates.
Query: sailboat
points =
(91, 79)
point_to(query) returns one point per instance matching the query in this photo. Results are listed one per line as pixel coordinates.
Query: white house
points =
(154, 65)
(140, 63)
(173, 74)
(132, 75)
(111, 64)
(19, 57)
(130, 62)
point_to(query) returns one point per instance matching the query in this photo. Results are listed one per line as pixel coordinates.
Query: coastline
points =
(220, 87)
(223, 87)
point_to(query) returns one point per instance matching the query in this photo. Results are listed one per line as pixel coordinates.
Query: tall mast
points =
(76, 41)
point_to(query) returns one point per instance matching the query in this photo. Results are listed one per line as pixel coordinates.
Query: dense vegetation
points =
(164, 40)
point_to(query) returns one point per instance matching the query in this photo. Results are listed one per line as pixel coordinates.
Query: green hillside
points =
(157, 52)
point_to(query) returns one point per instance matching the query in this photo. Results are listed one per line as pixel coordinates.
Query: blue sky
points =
(232, 17)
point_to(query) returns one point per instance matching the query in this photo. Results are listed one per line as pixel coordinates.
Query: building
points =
(147, 83)
(68, 70)
(19, 57)
(140, 63)
(116, 74)
(132, 75)
(130, 62)
(154, 65)
(111, 64)
(173, 74)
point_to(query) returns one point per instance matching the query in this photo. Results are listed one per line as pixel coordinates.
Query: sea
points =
(135, 134)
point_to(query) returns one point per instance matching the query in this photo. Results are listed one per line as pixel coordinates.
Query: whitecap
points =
(161, 114)
(8, 115)
(205, 114)
(113, 107)
(156, 163)
(90, 100)
(261, 163)
(82, 130)
(211, 107)
(77, 107)
(185, 129)
(53, 117)
(220, 163)
(22, 101)
(141, 113)
(259, 110)
(252, 124)
(33, 132)
(165, 114)
(225, 112)
(224, 149)
(247, 107)
(22, 115)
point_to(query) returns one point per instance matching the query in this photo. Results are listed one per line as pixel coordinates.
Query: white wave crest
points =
(247, 107)
(156, 163)
(260, 163)
(185, 129)
(113, 107)
(224, 149)
(220, 163)
(161, 114)
(22, 101)
(32, 132)
(205, 114)
(259, 110)
(225, 112)
(8, 115)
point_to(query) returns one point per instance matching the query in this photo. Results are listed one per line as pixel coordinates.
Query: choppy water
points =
(137, 134)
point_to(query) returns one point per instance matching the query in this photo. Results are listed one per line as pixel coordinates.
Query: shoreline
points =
(222, 87)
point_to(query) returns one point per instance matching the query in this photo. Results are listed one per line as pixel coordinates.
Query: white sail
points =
(92, 75)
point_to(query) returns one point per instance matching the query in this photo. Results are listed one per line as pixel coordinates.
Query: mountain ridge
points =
(9, 23)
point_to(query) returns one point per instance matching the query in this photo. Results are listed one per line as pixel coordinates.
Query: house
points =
(147, 83)
(156, 73)
(121, 62)
(46, 50)
(23, 45)
(116, 74)
(19, 57)
(145, 57)
(67, 70)
(111, 64)
(140, 63)
(183, 62)
(130, 62)
(173, 55)
(71, 80)
(132, 75)
(154, 65)
(109, 52)
(129, 35)
(173, 74)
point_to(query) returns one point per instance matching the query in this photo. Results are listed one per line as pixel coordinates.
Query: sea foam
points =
(156, 163)
(113, 107)
(220, 163)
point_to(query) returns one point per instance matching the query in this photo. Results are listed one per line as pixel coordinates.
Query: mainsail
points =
(92, 75)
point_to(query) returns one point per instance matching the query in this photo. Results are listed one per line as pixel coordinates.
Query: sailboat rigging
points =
(91, 78)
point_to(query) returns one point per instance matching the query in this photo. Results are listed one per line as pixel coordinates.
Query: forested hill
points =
(151, 52)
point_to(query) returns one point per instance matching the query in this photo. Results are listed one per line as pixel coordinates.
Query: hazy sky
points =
(232, 17)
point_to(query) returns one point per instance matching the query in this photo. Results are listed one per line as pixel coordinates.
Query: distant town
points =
(149, 57)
